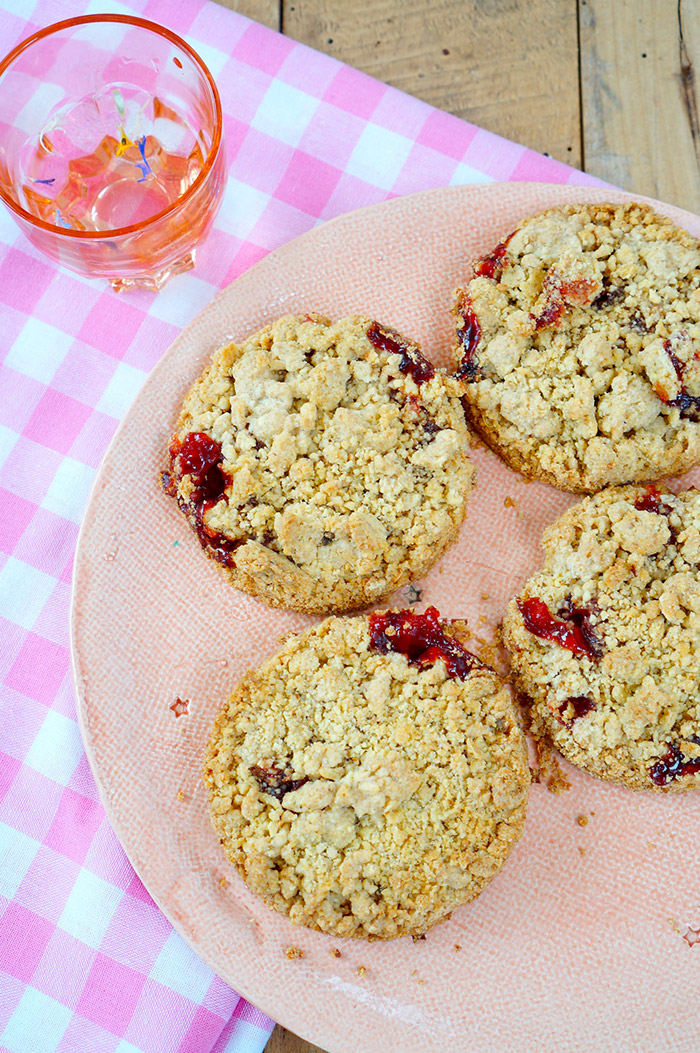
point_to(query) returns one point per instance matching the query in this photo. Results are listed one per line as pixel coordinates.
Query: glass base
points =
(155, 281)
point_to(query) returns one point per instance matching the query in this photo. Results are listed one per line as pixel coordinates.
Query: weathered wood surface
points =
(607, 85)
(640, 62)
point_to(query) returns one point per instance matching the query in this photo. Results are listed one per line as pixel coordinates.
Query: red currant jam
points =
(422, 639)
(199, 456)
(561, 293)
(469, 336)
(672, 766)
(574, 708)
(572, 629)
(650, 501)
(275, 782)
(550, 314)
(491, 265)
(688, 405)
(412, 361)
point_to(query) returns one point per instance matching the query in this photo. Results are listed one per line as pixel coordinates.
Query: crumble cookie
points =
(578, 340)
(322, 465)
(604, 639)
(370, 777)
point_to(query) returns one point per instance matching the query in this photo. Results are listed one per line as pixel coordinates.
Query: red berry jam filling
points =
(491, 265)
(412, 361)
(573, 708)
(673, 765)
(572, 629)
(550, 315)
(422, 639)
(560, 293)
(650, 501)
(610, 295)
(275, 782)
(199, 456)
(688, 405)
(469, 336)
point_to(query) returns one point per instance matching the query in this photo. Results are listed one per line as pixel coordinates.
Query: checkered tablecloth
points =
(87, 962)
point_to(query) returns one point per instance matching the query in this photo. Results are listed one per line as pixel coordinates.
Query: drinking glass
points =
(112, 158)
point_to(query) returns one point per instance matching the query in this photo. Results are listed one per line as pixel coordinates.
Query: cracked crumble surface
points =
(579, 342)
(363, 795)
(340, 476)
(630, 556)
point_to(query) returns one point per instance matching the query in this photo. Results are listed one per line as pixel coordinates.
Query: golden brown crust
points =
(344, 476)
(578, 344)
(360, 794)
(628, 561)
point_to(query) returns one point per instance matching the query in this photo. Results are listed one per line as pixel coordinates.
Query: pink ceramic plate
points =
(583, 941)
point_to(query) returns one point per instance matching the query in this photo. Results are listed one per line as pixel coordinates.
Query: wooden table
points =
(606, 85)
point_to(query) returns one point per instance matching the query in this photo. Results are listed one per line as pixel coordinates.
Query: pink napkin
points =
(87, 962)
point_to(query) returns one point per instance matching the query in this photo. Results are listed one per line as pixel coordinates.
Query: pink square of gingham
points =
(15, 515)
(23, 939)
(203, 1032)
(262, 49)
(110, 995)
(111, 325)
(23, 280)
(38, 669)
(56, 421)
(447, 134)
(74, 825)
(355, 92)
(307, 183)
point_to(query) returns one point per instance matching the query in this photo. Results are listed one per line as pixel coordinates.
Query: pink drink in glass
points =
(111, 152)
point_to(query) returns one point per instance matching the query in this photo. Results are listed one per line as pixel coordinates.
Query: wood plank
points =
(283, 1041)
(508, 65)
(269, 12)
(640, 107)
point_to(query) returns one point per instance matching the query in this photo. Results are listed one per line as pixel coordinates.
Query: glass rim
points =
(142, 23)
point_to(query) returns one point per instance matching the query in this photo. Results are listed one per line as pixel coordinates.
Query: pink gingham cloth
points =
(88, 964)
